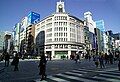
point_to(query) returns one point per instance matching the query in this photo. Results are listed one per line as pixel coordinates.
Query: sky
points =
(12, 11)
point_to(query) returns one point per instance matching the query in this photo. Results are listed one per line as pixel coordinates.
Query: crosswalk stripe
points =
(74, 73)
(80, 76)
(57, 79)
(76, 79)
(86, 78)
(110, 76)
(111, 73)
(78, 71)
(110, 79)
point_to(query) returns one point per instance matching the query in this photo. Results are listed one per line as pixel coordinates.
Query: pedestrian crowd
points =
(15, 60)
(100, 59)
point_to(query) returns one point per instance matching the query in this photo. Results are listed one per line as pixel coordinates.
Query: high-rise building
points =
(22, 31)
(2, 34)
(16, 37)
(99, 40)
(110, 41)
(30, 31)
(59, 34)
(117, 41)
(89, 22)
(8, 42)
(100, 25)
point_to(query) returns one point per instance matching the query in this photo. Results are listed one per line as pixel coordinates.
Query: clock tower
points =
(60, 7)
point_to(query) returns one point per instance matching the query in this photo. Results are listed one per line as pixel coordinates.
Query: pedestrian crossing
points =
(83, 75)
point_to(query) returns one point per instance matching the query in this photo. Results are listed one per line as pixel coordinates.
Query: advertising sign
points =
(33, 18)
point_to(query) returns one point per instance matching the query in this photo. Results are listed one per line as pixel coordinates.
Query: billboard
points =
(33, 18)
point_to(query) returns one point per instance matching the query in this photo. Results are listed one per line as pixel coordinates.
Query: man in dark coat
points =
(7, 57)
(42, 66)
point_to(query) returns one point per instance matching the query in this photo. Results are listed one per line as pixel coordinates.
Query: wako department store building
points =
(59, 34)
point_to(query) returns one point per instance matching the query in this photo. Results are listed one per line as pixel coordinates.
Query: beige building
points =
(30, 35)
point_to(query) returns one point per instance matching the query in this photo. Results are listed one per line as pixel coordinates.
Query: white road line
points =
(114, 76)
(74, 73)
(79, 71)
(57, 79)
(75, 78)
(110, 79)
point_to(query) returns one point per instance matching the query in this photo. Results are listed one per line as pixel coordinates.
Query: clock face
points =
(60, 6)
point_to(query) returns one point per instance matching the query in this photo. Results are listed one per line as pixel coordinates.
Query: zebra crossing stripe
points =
(110, 76)
(78, 71)
(85, 78)
(111, 73)
(110, 79)
(74, 73)
(78, 76)
(70, 78)
(57, 79)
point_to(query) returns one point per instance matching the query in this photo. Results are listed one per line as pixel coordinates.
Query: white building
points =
(117, 43)
(16, 36)
(8, 41)
(59, 34)
(2, 34)
(24, 23)
(89, 21)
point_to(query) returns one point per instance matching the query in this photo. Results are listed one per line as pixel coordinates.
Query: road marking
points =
(110, 79)
(72, 77)
(57, 79)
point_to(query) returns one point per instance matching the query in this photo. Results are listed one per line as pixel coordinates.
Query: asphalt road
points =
(28, 70)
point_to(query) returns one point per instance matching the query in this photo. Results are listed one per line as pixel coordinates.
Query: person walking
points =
(42, 66)
(96, 60)
(7, 57)
(15, 62)
(106, 58)
(76, 58)
(111, 57)
(101, 60)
